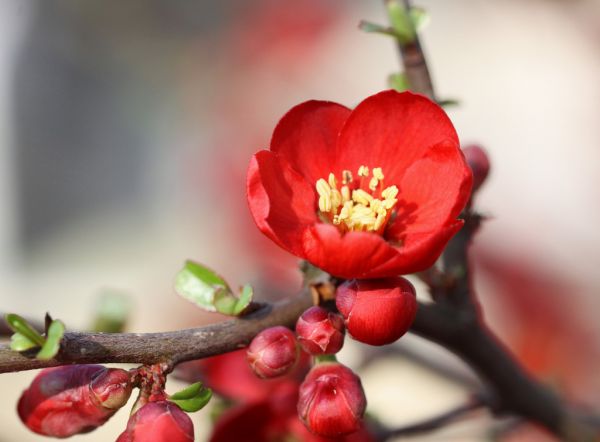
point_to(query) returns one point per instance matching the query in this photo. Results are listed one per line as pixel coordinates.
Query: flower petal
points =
(282, 203)
(353, 255)
(433, 192)
(391, 130)
(306, 137)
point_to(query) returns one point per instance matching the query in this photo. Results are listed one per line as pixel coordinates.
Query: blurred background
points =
(126, 129)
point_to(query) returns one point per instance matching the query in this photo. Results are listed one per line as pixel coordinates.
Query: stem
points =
(434, 423)
(170, 347)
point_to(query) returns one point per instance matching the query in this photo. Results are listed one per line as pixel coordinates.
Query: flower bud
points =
(320, 331)
(160, 421)
(332, 401)
(64, 401)
(377, 311)
(273, 352)
(478, 161)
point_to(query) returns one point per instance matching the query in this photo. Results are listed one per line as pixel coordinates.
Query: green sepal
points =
(200, 285)
(56, 331)
(228, 304)
(192, 398)
(19, 342)
(399, 82)
(20, 325)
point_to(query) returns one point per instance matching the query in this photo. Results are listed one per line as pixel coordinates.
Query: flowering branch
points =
(435, 422)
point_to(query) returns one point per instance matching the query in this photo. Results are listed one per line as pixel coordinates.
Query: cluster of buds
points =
(331, 399)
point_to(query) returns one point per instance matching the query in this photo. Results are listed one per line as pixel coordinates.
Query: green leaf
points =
(188, 392)
(402, 23)
(20, 325)
(192, 398)
(419, 17)
(367, 26)
(399, 82)
(448, 102)
(228, 304)
(56, 332)
(18, 342)
(200, 284)
(111, 312)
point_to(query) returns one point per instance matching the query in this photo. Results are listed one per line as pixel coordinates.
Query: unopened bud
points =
(64, 401)
(377, 311)
(160, 421)
(273, 352)
(478, 161)
(320, 331)
(332, 401)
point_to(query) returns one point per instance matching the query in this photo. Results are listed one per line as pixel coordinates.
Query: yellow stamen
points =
(354, 208)
(373, 184)
(362, 197)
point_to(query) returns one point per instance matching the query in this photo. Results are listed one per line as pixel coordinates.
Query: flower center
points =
(361, 205)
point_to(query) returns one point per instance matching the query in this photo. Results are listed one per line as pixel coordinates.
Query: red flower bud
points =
(273, 352)
(160, 421)
(478, 161)
(320, 331)
(377, 311)
(332, 401)
(64, 401)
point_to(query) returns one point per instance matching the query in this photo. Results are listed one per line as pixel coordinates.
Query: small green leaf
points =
(402, 23)
(367, 26)
(192, 398)
(419, 17)
(228, 304)
(20, 325)
(399, 82)
(245, 299)
(200, 284)
(448, 102)
(18, 342)
(188, 392)
(56, 332)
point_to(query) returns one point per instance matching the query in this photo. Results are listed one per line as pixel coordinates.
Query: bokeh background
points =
(126, 129)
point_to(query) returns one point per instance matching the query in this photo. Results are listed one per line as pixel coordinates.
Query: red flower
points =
(368, 193)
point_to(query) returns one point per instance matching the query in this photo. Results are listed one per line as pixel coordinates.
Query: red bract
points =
(273, 352)
(320, 331)
(332, 401)
(64, 401)
(378, 311)
(367, 193)
(159, 421)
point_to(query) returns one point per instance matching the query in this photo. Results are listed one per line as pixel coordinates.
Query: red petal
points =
(420, 250)
(353, 255)
(433, 192)
(392, 130)
(282, 203)
(306, 137)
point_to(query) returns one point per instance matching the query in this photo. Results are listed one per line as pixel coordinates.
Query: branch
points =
(169, 347)
(434, 423)
(415, 64)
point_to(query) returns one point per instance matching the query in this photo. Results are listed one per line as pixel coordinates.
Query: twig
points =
(434, 423)
(415, 64)
(170, 347)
